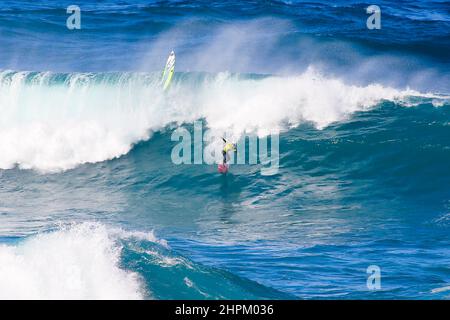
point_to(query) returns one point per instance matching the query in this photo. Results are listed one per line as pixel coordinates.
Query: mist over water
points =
(92, 206)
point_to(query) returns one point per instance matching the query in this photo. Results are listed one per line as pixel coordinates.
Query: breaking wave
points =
(53, 122)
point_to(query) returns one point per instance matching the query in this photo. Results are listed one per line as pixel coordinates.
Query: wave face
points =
(92, 206)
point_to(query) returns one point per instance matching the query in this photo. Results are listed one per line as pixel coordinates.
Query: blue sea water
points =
(93, 207)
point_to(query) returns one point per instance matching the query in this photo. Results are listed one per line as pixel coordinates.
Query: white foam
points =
(442, 289)
(53, 127)
(80, 262)
(166, 261)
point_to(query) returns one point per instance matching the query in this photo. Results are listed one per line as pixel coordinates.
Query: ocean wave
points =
(78, 262)
(90, 260)
(52, 122)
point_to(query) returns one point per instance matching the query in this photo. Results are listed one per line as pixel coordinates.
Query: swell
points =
(428, 19)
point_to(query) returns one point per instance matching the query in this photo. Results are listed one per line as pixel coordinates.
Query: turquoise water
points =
(92, 205)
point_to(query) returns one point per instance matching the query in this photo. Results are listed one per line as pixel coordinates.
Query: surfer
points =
(226, 148)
